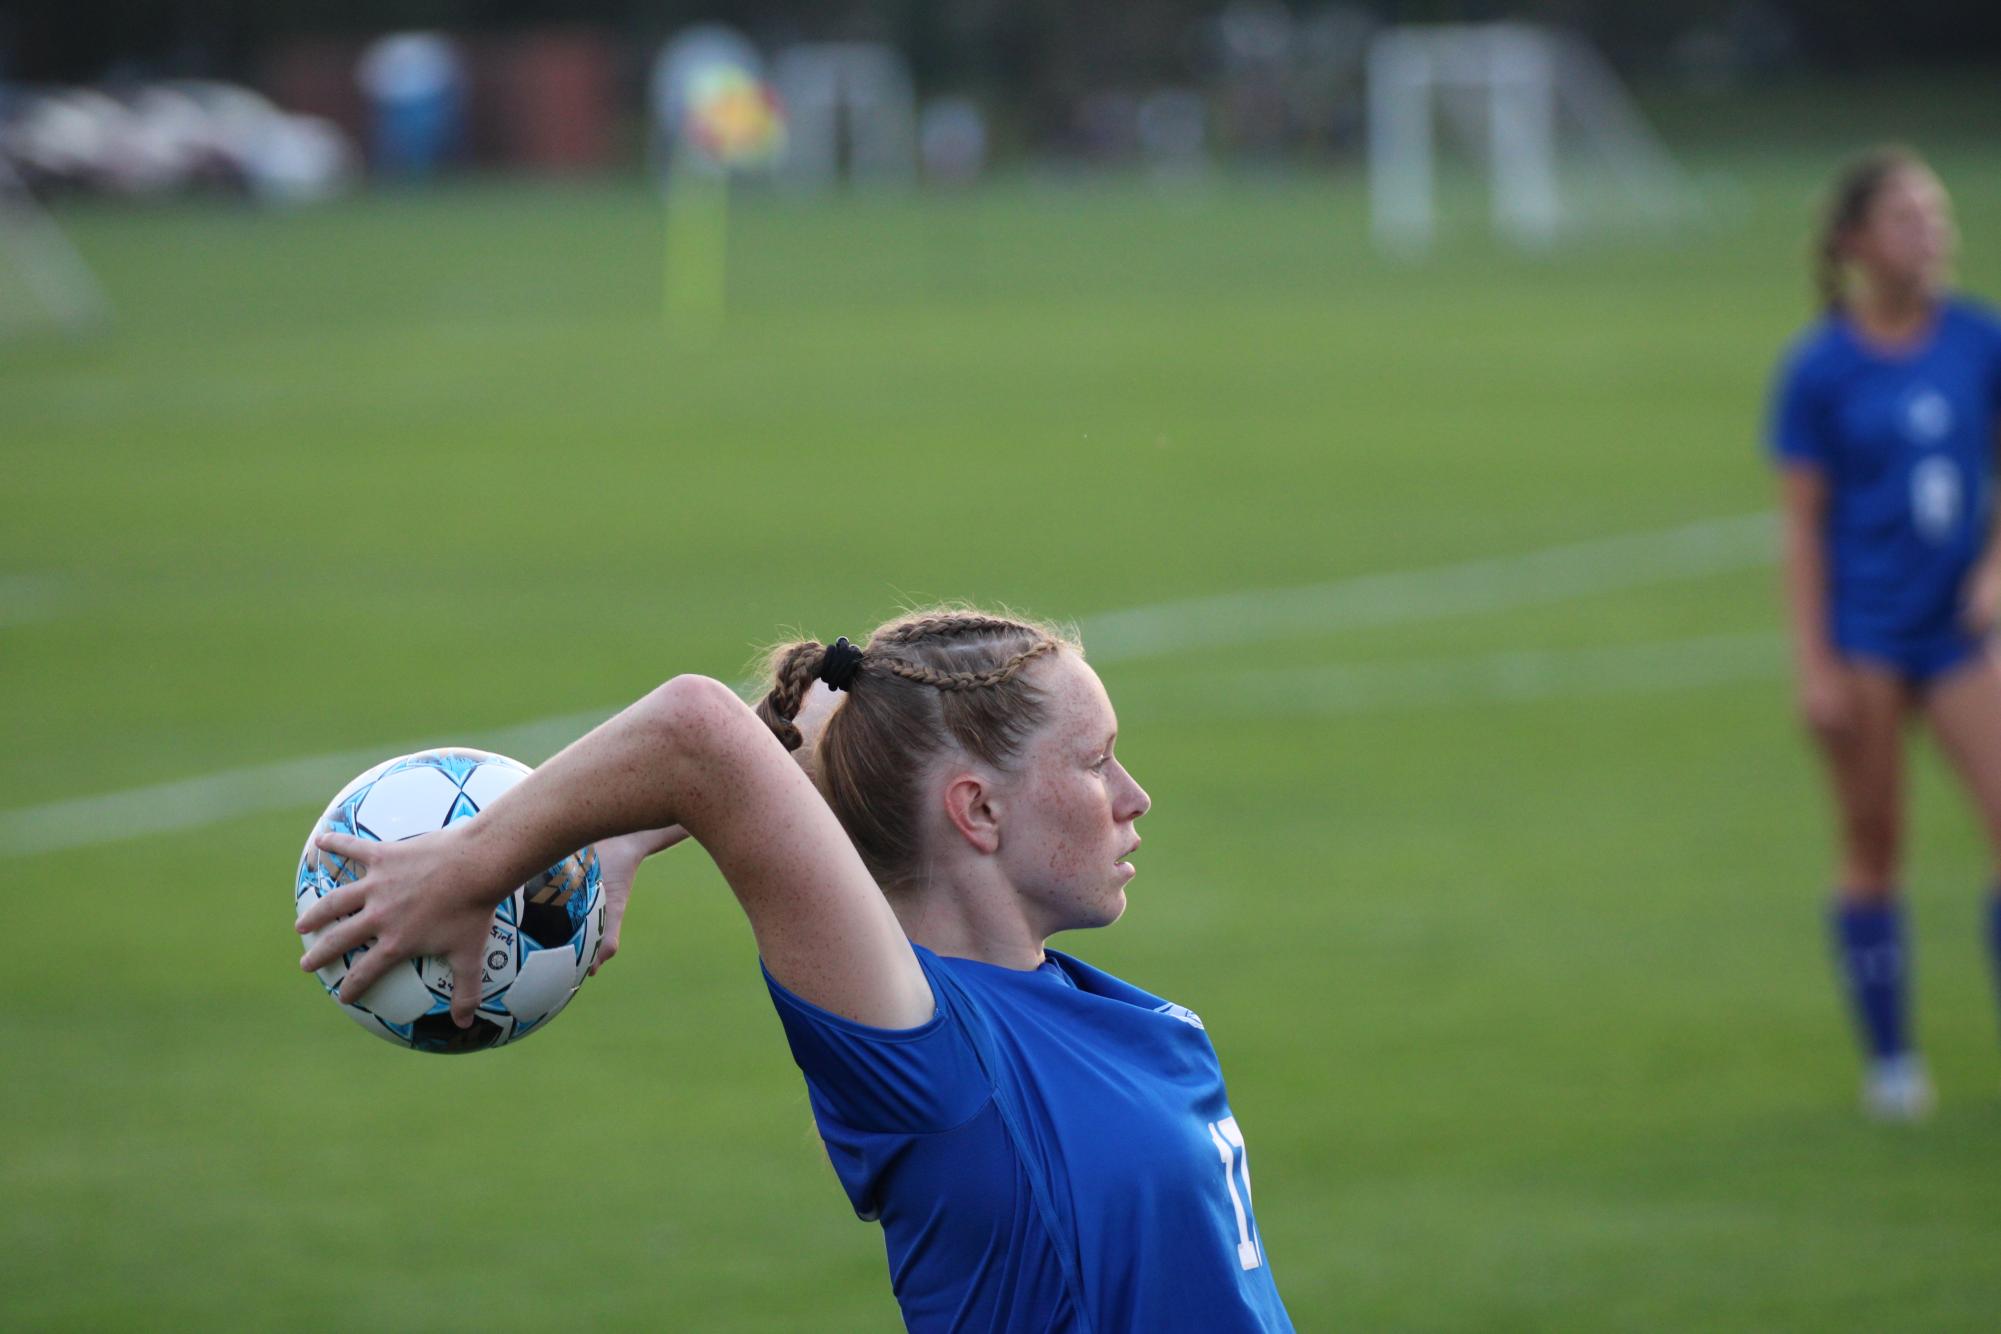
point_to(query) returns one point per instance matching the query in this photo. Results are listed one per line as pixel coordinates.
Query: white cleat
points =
(1897, 1089)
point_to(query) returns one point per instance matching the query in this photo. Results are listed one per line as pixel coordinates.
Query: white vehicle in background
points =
(166, 138)
(159, 139)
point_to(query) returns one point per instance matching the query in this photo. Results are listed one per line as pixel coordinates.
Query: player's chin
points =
(1115, 900)
(1094, 908)
(1085, 906)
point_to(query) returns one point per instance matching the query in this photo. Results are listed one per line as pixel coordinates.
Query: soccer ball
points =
(544, 937)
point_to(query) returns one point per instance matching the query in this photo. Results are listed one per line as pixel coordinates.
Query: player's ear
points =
(972, 805)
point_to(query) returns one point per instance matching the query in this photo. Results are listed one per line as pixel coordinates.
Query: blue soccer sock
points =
(1994, 935)
(1869, 938)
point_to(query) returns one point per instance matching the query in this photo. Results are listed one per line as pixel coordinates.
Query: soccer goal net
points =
(1536, 109)
(851, 104)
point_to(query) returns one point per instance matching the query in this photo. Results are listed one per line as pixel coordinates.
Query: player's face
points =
(1068, 810)
(1906, 239)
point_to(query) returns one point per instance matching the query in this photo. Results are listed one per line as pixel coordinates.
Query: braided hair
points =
(924, 684)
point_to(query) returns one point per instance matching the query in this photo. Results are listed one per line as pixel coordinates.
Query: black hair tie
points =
(841, 664)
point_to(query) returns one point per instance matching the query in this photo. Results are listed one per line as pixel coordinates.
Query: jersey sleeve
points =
(1797, 427)
(915, 1081)
(1990, 330)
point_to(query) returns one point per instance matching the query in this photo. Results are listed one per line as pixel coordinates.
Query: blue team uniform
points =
(1053, 1151)
(1906, 443)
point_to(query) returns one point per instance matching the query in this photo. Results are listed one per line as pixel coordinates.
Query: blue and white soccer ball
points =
(544, 937)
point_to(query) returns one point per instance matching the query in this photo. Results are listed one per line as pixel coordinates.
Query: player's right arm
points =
(1822, 686)
(690, 753)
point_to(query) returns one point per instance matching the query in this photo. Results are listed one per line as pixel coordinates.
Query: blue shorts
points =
(1920, 660)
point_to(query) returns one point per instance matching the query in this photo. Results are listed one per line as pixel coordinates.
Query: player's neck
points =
(1893, 314)
(978, 918)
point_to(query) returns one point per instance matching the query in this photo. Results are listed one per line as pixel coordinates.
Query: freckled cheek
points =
(1060, 856)
(1074, 840)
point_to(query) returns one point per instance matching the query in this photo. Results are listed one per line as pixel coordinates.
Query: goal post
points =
(52, 283)
(1533, 103)
(850, 103)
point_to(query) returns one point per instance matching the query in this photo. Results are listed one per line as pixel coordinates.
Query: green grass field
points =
(1500, 890)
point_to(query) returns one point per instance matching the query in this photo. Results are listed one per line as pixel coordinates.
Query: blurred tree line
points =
(1020, 51)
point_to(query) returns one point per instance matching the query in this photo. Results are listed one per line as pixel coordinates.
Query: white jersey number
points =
(1229, 1142)
(1935, 499)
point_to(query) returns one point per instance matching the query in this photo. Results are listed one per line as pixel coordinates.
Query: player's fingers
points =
(350, 933)
(606, 948)
(346, 845)
(465, 984)
(367, 970)
(330, 908)
(675, 834)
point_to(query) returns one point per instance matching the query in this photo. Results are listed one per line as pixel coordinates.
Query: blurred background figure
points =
(415, 83)
(1884, 428)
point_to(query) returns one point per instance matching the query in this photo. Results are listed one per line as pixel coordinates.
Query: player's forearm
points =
(1805, 583)
(641, 845)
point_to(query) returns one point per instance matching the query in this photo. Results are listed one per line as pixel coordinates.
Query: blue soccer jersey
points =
(1054, 1151)
(1906, 442)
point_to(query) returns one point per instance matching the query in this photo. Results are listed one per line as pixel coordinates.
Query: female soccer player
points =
(1884, 430)
(1047, 1147)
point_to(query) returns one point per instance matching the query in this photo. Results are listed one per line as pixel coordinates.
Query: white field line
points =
(1528, 674)
(1554, 574)
(1498, 583)
(30, 597)
(191, 803)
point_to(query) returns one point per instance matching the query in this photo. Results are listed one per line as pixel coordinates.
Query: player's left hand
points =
(415, 896)
(618, 864)
(1983, 599)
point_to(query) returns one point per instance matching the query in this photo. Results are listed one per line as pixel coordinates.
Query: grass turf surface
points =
(1521, 992)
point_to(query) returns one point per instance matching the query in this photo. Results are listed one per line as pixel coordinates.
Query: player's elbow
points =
(691, 716)
(702, 744)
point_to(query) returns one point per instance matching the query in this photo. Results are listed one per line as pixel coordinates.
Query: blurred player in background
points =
(1884, 430)
(1046, 1146)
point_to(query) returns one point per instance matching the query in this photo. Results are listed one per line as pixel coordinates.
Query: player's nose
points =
(1136, 802)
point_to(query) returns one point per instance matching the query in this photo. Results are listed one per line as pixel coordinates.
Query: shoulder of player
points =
(1974, 313)
(1815, 355)
(1822, 343)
